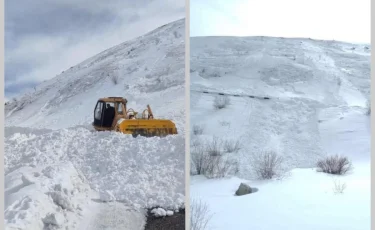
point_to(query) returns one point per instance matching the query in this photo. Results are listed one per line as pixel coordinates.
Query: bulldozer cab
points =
(111, 113)
(108, 111)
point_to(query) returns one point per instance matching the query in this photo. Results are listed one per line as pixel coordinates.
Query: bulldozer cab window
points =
(109, 105)
(104, 114)
(109, 114)
(98, 111)
(119, 108)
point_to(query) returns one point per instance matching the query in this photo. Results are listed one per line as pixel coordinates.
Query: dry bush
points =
(197, 130)
(231, 146)
(338, 187)
(199, 215)
(220, 102)
(213, 147)
(200, 160)
(267, 164)
(115, 79)
(339, 81)
(222, 167)
(337, 165)
(206, 161)
(224, 123)
(368, 108)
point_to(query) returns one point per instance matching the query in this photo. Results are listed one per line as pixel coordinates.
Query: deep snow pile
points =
(145, 172)
(70, 169)
(317, 93)
(45, 196)
(142, 174)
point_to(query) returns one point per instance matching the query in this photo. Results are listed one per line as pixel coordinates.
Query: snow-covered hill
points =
(149, 70)
(301, 98)
(58, 171)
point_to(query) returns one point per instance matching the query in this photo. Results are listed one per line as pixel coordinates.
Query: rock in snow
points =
(243, 189)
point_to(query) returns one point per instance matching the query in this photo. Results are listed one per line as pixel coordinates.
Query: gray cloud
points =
(43, 38)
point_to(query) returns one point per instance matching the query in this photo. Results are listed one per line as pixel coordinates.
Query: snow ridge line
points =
(234, 95)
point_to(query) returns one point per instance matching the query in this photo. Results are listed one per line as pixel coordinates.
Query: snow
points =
(160, 212)
(317, 92)
(61, 174)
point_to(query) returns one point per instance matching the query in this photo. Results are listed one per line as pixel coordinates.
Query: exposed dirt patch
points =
(174, 222)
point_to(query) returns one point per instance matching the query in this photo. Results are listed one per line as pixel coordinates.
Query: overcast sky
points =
(45, 37)
(343, 20)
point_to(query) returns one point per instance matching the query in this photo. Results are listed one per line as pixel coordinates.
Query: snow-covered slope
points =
(150, 70)
(58, 171)
(301, 98)
(301, 77)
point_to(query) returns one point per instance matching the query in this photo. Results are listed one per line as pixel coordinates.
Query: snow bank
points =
(141, 172)
(305, 200)
(45, 197)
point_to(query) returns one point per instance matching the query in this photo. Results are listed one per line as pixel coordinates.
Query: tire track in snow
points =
(233, 95)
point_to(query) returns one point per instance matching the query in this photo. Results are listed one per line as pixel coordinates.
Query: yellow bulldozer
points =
(112, 114)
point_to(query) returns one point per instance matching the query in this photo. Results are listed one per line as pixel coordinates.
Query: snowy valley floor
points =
(71, 178)
(305, 199)
(315, 106)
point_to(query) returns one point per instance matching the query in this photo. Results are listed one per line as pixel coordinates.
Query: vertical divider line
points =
(187, 111)
(2, 133)
(372, 88)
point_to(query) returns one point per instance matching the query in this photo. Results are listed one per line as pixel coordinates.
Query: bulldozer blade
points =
(147, 128)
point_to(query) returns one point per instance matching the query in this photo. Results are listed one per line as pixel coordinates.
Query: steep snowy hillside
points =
(303, 99)
(147, 70)
(300, 76)
(60, 174)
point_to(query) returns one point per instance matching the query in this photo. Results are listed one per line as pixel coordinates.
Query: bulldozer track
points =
(233, 95)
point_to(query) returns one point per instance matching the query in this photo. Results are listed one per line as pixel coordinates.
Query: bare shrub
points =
(368, 108)
(338, 187)
(337, 165)
(197, 130)
(231, 146)
(267, 164)
(339, 81)
(199, 215)
(195, 142)
(220, 102)
(206, 160)
(213, 147)
(200, 160)
(222, 167)
(224, 123)
(115, 79)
